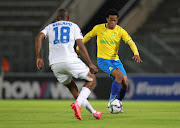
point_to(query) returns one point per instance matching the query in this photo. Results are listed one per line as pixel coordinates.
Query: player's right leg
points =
(112, 70)
(118, 76)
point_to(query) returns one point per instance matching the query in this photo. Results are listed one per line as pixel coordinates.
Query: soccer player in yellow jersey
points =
(109, 36)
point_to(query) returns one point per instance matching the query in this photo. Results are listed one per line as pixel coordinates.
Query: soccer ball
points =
(114, 106)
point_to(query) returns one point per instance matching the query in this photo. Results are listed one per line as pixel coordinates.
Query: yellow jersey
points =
(108, 40)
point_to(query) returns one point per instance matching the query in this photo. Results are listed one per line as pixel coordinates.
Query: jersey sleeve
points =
(93, 32)
(125, 36)
(90, 34)
(77, 33)
(133, 47)
(45, 31)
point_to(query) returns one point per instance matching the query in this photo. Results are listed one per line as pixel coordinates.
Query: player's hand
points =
(78, 52)
(39, 63)
(137, 58)
(93, 69)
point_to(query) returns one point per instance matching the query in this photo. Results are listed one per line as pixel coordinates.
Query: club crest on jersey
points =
(110, 68)
(114, 35)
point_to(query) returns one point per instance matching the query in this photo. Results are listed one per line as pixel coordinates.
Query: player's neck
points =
(63, 19)
(107, 26)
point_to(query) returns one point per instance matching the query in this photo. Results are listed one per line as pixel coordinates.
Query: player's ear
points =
(57, 18)
(107, 19)
(68, 17)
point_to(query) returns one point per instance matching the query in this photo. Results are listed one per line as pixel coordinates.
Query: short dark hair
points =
(112, 12)
(62, 13)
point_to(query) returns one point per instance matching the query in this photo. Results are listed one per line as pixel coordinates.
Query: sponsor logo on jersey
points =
(107, 42)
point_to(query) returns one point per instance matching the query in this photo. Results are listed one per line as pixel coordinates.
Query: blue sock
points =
(114, 89)
(121, 94)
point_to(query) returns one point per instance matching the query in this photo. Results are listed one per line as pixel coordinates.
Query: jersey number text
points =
(64, 35)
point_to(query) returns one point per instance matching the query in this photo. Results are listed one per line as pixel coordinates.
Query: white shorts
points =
(64, 71)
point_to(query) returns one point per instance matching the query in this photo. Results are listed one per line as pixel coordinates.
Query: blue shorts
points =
(109, 65)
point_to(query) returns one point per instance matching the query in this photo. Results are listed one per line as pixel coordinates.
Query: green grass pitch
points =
(58, 114)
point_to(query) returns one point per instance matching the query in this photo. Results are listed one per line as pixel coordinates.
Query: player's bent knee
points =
(90, 77)
(117, 74)
(94, 78)
(119, 77)
(91, 84)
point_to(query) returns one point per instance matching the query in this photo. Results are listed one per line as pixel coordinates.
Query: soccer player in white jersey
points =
(64, 61)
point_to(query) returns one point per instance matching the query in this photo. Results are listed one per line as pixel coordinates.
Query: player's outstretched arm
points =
(133, 47)
(85, 54)
(38, 45)
(85, 40)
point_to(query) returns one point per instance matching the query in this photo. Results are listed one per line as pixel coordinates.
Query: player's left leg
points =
(122, 91)
(82, 98)
(124, 87)
(75, 92)
(79, 70)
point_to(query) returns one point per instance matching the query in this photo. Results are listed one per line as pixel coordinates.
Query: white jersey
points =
(62, 36)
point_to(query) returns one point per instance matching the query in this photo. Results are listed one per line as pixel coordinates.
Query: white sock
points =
(88, 106)
(84, 94)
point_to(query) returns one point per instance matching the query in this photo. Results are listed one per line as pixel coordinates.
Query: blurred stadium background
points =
(153, 24)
